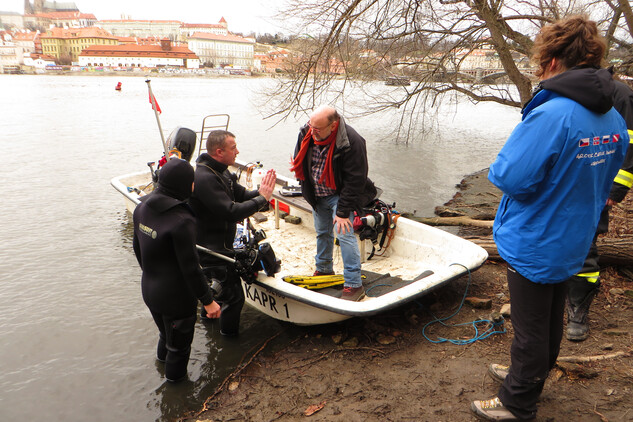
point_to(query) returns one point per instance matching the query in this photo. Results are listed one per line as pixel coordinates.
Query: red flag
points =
(154, 103)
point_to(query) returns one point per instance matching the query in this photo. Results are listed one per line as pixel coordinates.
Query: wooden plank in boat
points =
(293, 201)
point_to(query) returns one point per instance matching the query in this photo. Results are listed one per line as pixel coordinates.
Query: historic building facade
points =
(223, 50)
(65, 45)
(143, 56)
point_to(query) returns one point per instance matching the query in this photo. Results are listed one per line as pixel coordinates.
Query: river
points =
(77, 340)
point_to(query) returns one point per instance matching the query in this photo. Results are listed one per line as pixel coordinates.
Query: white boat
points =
(415, 260)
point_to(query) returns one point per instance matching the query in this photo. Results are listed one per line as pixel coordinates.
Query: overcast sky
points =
(241, 15)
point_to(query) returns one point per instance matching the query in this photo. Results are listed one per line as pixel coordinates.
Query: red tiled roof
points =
(140, 20)
(132, 50)
(92, 32)
(65, 15)
(27, 36)
(202, 25)
(217, 37)
(42, 56)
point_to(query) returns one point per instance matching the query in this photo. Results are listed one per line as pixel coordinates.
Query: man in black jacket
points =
(219, 202)
(583, 286)
(330, 160)
(172, 283)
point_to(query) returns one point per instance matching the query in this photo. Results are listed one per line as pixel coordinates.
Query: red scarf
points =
(328, 171)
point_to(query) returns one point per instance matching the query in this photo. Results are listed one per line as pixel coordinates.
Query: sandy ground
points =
(396, 367)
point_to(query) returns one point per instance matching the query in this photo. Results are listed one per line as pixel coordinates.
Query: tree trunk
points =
(452, 221)
(612, 251)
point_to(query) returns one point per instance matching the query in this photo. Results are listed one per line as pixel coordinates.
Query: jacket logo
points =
(597, 140)
(147, 230)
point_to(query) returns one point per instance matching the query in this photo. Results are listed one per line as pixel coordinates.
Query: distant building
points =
(41, 6)
(223, 50)
(188, 29)
(9, 20)
(144, 56)
(29, 41)
(39, 61)
(275, 60)
(66, 44)
(11, 55)
(142, 28)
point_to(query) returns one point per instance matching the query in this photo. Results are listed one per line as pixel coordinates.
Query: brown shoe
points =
(353, 293)
(317, 273)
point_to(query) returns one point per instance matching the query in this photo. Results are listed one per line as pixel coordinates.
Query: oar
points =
(152, 100)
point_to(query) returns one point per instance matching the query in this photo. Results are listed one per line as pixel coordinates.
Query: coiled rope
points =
(484, 328)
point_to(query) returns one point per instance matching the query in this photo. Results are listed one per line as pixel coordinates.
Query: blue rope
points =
(489, 328)
(377, 285)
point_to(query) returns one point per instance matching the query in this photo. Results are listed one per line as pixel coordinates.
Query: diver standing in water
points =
(172, 282)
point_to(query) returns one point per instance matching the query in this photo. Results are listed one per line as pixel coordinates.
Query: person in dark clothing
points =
(172, 283)
(584, 286)
(555, 171)
(330, 161)
(219, 202)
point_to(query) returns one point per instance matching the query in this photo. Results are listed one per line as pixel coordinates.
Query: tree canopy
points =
(354, 41)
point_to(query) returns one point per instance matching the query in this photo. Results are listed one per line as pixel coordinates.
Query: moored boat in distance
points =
(398, 81)
(407, 260)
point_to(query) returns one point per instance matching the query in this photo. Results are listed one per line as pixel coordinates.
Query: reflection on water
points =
(78, 341)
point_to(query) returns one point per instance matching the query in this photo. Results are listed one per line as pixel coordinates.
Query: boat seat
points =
(293, 201)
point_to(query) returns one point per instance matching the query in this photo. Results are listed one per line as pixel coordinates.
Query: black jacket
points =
(219, 202)
(165, 246)
(350, 166)
(623, 102)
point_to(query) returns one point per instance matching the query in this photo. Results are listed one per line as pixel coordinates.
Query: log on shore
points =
(453, 221)
(612, 251)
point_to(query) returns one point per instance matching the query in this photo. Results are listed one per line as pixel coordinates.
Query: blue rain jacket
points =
(556, 170)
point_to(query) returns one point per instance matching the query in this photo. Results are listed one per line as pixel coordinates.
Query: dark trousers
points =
(537, 319)
(231, 298)
(174, 343)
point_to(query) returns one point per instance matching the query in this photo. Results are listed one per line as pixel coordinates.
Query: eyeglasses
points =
(318, 129)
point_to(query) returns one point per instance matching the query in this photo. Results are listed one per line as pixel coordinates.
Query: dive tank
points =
(257, 175)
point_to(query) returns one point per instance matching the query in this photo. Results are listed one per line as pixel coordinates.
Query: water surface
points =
(77, 340)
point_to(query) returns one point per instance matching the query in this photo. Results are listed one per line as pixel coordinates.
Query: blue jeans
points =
(324, 214)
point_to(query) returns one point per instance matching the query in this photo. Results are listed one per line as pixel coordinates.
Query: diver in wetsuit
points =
(172, 281)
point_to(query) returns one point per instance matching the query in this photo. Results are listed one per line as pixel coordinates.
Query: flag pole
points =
(152, 99)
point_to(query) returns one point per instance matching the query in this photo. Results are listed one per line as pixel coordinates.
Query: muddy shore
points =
(407, 365)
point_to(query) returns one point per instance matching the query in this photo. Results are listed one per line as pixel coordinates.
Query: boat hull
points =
(418, 259)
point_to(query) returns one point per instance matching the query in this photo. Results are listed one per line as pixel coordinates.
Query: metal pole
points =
(217, 255)
(160, 129)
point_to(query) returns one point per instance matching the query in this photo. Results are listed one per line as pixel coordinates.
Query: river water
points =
(77, 340)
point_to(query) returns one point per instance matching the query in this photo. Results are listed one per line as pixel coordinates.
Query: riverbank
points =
(397, 366)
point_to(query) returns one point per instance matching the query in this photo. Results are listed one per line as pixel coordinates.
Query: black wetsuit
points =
(172, 281)
(219, 202)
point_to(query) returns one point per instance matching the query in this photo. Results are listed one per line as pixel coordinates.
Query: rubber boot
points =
(577, 312)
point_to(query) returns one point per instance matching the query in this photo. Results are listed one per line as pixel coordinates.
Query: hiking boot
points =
(353, 293)
(577, 331)
(317, 273)
(492, 410)
(577, 316)
(498, 372)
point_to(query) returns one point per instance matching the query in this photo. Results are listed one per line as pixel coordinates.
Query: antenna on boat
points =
(157, 110)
